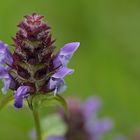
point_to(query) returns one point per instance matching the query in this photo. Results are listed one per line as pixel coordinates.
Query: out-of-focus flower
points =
(83, 122)
(136, 134)
(33, 67)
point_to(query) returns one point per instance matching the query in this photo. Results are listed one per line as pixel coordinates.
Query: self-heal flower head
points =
(33, 67)
(83, 122)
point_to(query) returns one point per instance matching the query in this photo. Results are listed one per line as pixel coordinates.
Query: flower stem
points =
(37, 124)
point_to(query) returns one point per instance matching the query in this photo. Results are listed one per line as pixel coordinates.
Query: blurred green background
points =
(107, 62)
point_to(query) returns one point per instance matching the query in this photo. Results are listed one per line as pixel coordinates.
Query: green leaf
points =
(40, 101)
(53, 125)
(6, 99)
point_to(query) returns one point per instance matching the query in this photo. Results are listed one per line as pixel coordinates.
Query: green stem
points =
(37, 124)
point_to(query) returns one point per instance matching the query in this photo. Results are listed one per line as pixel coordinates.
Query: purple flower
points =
(58, 85)
(97, 128)
(5, 55)
(20, 94)
(56, 82)
(91, 106)
(6, 61)
(33, 67)
(65, 54)
(83, 122)
(60, 61)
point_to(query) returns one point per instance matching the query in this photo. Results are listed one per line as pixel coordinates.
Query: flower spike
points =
(33, 67)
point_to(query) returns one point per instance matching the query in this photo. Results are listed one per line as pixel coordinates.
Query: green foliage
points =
(41, 100)
(53, 125)
(5, 100)
(107, 62)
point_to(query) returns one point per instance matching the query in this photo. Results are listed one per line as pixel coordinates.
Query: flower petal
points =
(3, 72)
(62, 72)
(58, 85)
(7, 83)
(5, 78)
(56, 82)
(5, 55)
(105, 125)
(65, 54)
(91, 106)
(97, 128)
(70, 48)
(20, 94)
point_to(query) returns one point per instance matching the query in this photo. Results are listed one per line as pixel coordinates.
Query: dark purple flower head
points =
(33, 67)
(83, 122)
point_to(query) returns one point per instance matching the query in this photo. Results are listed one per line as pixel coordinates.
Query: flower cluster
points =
(33, 67)
(83, 122)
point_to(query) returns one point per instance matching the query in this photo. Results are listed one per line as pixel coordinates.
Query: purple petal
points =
(3, 72)
(56, 82)
(5, 78)
(56, 138)
(5, 55)
(65, 54)
(105, 125)
(7, 83)
(20, 94)
(97, 128)
(91, 106)
(70, 48)
(62, 72)
(56, 61)
(58, 85)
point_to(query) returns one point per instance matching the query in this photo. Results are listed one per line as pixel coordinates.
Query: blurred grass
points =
(107, 62)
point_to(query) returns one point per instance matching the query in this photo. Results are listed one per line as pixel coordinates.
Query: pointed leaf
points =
(40, 101)
(53, 125)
